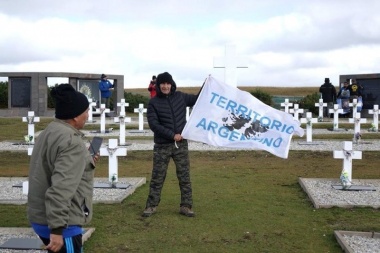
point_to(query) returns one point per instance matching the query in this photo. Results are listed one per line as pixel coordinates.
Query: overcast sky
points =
(287, 43)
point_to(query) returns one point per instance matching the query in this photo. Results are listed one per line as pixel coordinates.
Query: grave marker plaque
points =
(20, 91)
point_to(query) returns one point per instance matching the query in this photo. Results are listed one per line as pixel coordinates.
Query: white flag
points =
(228, 117)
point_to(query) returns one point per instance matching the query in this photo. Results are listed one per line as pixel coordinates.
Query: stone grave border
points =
(135, 182)
(318, 205)
(339, 235)
(27, 232)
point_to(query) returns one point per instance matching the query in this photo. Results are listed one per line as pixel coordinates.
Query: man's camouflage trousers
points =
(161, 158)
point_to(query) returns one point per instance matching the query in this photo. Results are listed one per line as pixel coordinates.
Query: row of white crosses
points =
(112, 151)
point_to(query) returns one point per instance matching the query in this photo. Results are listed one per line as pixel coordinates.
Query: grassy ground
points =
(245, 201)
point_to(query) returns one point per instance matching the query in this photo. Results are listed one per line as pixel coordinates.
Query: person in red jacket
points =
(152, 87)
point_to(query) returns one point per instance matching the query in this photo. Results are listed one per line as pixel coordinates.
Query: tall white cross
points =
(320, 104)
(296, 111)
(375, 113)
(122, 120)
(354, 106)
(187, 113)
(230, 62)
(286, 104)
(122, 105)
(91, 105)
(357, 120)
(336, 112)
(141, 111)
(347, 154)
(31, 119)
(113, 151)
(309, 120)
(102, 110)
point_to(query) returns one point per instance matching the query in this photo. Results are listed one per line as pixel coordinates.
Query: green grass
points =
(245, 201)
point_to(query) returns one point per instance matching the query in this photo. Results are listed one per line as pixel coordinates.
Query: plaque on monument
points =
(90, 88)
(23, 243)
(20, 91)
(371, 92)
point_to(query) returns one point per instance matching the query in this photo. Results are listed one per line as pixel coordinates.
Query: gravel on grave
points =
(362, 244)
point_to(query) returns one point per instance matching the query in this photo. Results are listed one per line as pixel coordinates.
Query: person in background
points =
(167, 117)
(344, 96)
(61, 175)
(152, 87)
(355, 90)
(105, 88)
(328, 92)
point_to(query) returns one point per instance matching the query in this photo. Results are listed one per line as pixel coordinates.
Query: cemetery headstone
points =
(112, 151)
(347, 154)
(102, 110)
(336, 112)
(122, 120)
(309, 120)
(230, 62)
(357, 120)
(320, 104)
(296, 111)
(286, 104)
(31, 119)
(141, 110)
(375, 124)
(90, 113)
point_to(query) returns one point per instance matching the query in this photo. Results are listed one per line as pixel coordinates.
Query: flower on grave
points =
(344, 179)
(372, 128)
(113, 180)
(320, 119)
(358, 136)
(28, 138)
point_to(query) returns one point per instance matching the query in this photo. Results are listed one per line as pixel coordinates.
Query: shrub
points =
(134, 100)
(308, 103)
(264, 97)
(3, 94)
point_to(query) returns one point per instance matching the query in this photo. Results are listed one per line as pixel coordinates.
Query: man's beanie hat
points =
(103, 76)
(154, 77)
(69, 103)
(165, 78)
(327, 80)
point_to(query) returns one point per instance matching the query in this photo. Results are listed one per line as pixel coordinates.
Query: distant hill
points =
(274, 91)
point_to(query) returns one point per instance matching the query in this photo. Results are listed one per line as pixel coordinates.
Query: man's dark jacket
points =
(167, 113)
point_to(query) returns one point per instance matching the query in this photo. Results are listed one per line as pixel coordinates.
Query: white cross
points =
(187, 113)
(122, 105)
(141, 111)
(336, 112)
(375, 113)
(25, 184)
(122, 119)
(113, 151)
(286, 104)
(103, 110)
(309, 120)
(296, 111)
(357, 120)
(30, 119)
(91, 105)
(320, 104)
(354, 106)
(347, 154)
(230, 62)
